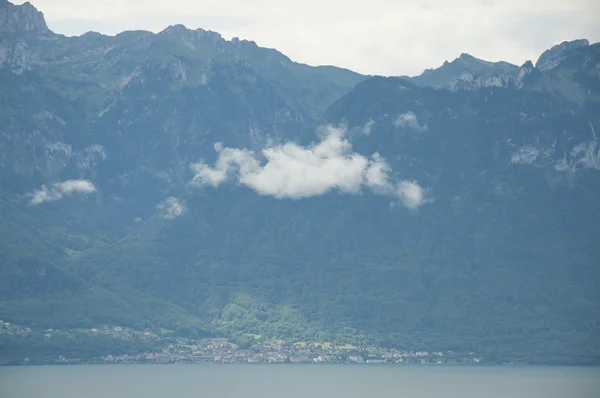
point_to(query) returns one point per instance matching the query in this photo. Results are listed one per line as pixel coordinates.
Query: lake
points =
(315, 381)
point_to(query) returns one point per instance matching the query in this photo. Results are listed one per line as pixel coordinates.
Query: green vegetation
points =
(39, 349)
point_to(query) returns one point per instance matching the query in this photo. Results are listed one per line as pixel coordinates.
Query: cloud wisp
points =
(58, 190)
(294, 171)
(409, 119)
(171, 208)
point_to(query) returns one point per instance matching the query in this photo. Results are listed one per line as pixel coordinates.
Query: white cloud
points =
(58, 190)
(411, 194)
(409, 119)
(44, 195)
(294, 171)
(171, 208)
(377, 174)
(361, 36)
(71, 186)
(368, 127)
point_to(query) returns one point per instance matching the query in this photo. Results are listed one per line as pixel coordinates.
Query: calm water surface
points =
(250, 381)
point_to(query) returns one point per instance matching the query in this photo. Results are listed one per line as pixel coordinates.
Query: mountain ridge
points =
(468, 73)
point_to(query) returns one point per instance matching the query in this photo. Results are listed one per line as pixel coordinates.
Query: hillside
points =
(181, 182)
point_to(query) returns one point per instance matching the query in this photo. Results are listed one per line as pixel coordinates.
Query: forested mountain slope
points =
(181, 181)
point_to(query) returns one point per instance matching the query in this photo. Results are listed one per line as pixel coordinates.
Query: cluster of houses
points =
(7, 327)
(220, 350)
(124, 333)
(278, 351)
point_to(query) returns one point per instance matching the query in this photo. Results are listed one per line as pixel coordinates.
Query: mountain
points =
(117, 121)
(571, 70)
(568, 68)
(21, 19)
(552, 57)
(460, 68)
(184, 182)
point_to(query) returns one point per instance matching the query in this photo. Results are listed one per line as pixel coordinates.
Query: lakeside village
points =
(171, 349)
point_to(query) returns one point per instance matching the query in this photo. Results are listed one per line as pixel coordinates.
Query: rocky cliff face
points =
(552, 57)
(466, 68)
(555, 71)
(469, 80)
(21, 19)
(15, 55)
(15, 22)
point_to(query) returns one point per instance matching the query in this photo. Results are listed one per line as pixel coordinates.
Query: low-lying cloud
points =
(171, 208)
(294, 171)
(58, 190)
(409, 119)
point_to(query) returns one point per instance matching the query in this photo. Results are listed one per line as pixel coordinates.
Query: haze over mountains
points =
(182, 181)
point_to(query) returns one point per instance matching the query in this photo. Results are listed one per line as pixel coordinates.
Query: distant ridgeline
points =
(182, 182)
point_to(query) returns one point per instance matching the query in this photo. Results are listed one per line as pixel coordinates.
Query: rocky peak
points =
(465, 71)
(190, 36)
(19, 19)
(468, 58)
(526, 69)
(480, 65)
(552, 57)
(178, 30)
(527, 65)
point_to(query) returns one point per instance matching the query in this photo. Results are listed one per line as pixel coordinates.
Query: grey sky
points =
(389, 37)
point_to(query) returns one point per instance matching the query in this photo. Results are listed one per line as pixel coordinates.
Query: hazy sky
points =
(389, 37)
